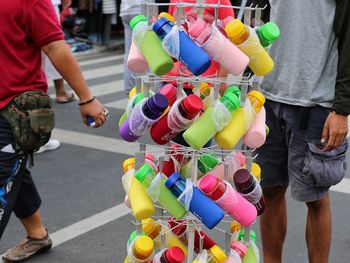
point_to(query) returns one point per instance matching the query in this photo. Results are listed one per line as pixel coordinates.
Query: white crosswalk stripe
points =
(99, 60)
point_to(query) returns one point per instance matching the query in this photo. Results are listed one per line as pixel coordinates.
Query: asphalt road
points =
(80, 185)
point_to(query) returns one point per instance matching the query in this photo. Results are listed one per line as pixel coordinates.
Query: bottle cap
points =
(242, 233)
(170, 92)
(128, 164)
(193, 104)
(157, 26)
(167, 16)
(200, 31)
(137, 19)
(208, 184)
(231, 101)
(226, 20)
(155, 105)
(218, 253)
(172, 180)
(235, 90)
(239, 247)
(204, 89)
(175, 255)
(242, 178)
(256, 170)
(267, 129)
(254, 94)
(207, 162)
(234, 29)
(132, 92)
(134, 235)
(235, 227)
(270, 31)
(144, 246)
(142, 173)
(191, 17)
(150, 156)
(148, 225)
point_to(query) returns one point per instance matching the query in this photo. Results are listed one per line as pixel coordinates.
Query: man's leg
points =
(62, 96)
(34, 225)
(273, 224)
(319, 229)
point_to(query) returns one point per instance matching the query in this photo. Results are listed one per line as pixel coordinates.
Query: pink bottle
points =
(234, 162)
(218, 47)
(228, 199)
(237, 253)
(255, 137)
(136, 61)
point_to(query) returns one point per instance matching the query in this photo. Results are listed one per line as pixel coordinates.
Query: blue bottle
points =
(191, 55)
(200, 205)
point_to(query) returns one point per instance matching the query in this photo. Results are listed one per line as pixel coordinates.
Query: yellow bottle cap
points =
(148, 225)
(218, 253)
(167, 16)
(144, 246)
(132, 92)
(235, 28)
(235, 227)
(256, 170)
(128, 164)
(257, 100)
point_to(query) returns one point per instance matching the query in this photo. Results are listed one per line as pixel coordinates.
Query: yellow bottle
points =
(255, 171)
(141, 204)
(153, 230)
(216, 255)
(245, 38)
(141, 250)
(241, 120)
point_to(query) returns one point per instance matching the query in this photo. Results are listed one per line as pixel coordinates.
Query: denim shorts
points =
(292, 155)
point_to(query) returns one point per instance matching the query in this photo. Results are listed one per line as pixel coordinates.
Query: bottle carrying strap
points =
(154, 189)
(176, 121)
(138, 34)
(186, 196)
(249, 114)
(171, 42)
(221, 116)
(255, 195)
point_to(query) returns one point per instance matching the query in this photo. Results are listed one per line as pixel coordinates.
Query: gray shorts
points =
(292, 155)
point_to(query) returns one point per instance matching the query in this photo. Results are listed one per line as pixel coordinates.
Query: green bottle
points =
(203, 129)
(151, 47)
(252, 255)
(268, 33)
(145, 175)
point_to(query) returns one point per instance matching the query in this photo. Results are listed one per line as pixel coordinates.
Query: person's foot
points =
(27, 248)
(52, 144)
(69, 97)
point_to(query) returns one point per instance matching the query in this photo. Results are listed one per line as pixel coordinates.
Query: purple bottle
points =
(143, 116)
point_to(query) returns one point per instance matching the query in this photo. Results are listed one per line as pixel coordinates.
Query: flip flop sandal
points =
(69, 99)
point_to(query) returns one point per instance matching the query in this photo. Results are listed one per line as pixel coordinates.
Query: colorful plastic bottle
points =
(235, 229)
(237, 253)
(180, 117)
(143, 117)
(145, 175)
(140, 251)
(200, 205)
(170, 255)
(154, 230)
(216, 255)
(204, 128)
(136, 61)
(206, 163)
(252, 255)
(268, 33)
(240, 122)
(250, 189)
(234, 162)
(141, 204)
(149, 44)
(218, 47)
(255, 171)
(170, 92)
(245, 38)
(228, 199)
(188, 52)
(255, 137)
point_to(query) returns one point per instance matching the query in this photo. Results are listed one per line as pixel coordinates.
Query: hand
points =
(95, 110)
(335, 131)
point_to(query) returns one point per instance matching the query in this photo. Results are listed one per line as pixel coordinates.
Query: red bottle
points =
(173, 255)
(170, 92)
(176, 159)
(189, 108)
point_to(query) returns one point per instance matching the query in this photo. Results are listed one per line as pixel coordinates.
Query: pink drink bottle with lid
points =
(228, 199)
(218, 47)
(136, 61)
(255, 137)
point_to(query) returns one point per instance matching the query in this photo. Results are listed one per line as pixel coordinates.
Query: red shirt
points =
(223, 12)
(26, 26)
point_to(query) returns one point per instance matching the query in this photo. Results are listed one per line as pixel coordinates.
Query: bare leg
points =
(61, 94)
(34, 226)
(273, 224)
(319, 230)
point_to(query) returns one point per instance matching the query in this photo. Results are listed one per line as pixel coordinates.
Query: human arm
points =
(66, 64)
(336, 126)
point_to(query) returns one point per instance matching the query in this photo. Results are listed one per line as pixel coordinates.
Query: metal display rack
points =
(148, 81)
